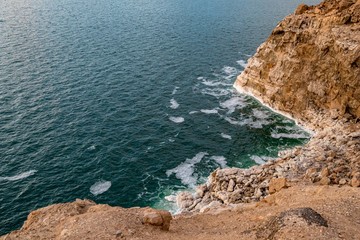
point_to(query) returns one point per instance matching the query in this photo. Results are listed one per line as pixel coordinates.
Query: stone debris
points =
(327, 159)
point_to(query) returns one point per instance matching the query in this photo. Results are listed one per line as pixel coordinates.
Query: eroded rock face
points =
(310, 64)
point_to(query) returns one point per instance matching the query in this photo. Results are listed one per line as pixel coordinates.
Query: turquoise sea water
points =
(127, 102)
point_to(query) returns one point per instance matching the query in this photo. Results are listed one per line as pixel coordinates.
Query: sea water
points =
(128, 102)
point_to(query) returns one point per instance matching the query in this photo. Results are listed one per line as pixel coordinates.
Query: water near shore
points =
(127, 102)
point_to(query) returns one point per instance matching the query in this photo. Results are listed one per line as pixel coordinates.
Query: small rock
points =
(324, 172)
(258, 193)
(231, 185)
(325, 181)
(355, 181)
(276, 184)
(342, 181)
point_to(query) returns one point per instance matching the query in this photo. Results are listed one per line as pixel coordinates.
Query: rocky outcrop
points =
(84, 219)
(309, 67)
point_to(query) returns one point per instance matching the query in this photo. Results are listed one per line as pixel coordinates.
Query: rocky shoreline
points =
(284, 74)
(308, 69)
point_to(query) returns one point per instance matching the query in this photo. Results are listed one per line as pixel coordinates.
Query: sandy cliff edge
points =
(308, 69)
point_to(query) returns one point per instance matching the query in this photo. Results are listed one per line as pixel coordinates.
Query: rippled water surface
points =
(127, 102)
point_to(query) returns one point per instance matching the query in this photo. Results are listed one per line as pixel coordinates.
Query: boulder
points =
(157, 217)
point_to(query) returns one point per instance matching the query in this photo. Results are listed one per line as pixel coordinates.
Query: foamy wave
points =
(287, 128)
(177, 119)
(225, 136)
(19, 176)
(193, 112)
(185, 171)
(242, 63)
(260, 114)
(212, 83)
(91, 147)
(216, 92)
(233, 103)
(234, 122)
(100, 187)
(175, 90)
(288, 135)
(209, 111)
(258, 124)
(174, 104)
(171, 198)
(221, 160)
(257, 159)
(230, 70)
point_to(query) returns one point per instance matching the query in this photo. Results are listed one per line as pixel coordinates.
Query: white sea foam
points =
(171, 198)
(230, 70)
(174, 104)
(234, 122)
(221, 160)
(225, 136)
(288, 135)
(257, 159)
(260, 114)
(233, 103)
(19, 176)
(100, 187)
(242, 63)
(211, 84)
(209, 111)
(177, 119)
(287, 128)
(257, 124)
(91, 147)
(193, 112)
(216, 92)
(185, 171)
(175, 90)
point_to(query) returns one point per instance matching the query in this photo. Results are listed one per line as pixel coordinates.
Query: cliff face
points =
(310, 64)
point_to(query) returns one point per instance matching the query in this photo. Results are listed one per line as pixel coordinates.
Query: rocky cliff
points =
(309, 67)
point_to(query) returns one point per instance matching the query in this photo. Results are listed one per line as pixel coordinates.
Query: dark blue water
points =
(127, 102)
